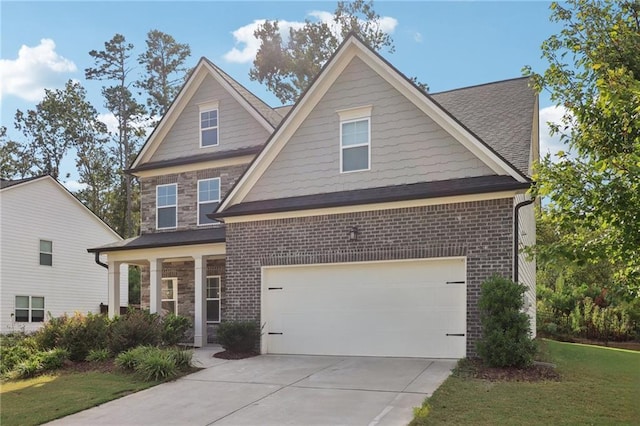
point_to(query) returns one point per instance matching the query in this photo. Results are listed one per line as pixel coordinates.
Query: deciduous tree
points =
(594, 193)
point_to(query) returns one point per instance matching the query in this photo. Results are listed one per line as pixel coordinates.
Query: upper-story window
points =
(46, 253)
(208, 199)
(355, 139)
(166, 206)
(208, 124)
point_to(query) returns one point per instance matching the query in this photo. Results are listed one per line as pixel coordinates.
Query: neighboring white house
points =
(44, 265)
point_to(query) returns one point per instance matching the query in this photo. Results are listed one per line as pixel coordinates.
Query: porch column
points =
(155, 279)
(200, 311)
(114, 288)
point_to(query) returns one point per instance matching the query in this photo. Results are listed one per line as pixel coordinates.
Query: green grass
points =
(41, 399)
(598, 386)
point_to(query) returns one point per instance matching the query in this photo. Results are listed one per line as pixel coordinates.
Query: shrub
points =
(182, 358)
(14, 349)
(27, 368)
(136, 327)
(49, 334)
(603, 323)
(52, 359)
(156, 365)
(238, 336)
(173, 329)
(78, 334)
(506, 337)
(97, 355)
(129, 359)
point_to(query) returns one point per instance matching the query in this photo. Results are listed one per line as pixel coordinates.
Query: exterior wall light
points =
(353, 233)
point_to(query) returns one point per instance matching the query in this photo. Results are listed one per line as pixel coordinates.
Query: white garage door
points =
(414, 308)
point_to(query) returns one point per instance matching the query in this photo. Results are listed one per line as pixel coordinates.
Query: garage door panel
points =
(378, 309)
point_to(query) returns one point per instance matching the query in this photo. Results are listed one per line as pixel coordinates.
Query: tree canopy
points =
(287, 66)
(593, 192)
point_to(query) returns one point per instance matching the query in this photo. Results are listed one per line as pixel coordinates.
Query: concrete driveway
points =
(280, 390)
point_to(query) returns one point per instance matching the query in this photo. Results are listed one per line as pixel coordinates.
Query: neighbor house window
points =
(208, 199)
(29, 309)
(355, 139)
(46, 253)
(208, 124)
(166, 206)
(170, 295)
(213, 299)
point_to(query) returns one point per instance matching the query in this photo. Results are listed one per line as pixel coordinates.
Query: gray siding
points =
(406, 145)
(187, 195)
(237, 128)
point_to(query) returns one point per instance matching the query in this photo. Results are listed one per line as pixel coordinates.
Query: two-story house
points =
(44, 267)
(361, 221)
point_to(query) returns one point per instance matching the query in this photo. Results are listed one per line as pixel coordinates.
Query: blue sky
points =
(445, 44)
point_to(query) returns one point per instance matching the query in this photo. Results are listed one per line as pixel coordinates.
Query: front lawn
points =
(598, 386)
(45, 398)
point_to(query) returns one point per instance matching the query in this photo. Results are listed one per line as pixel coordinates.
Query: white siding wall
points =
(406, 145)
(237, 128)
(526, 264)
(43, 210)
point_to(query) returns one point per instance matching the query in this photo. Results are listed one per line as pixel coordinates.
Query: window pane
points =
(213, 310)
(166, 195)
(37, 302)
(355, 158)
(167, 289)
(167, 217)
(208, 119)
(22, 302)
(46, 246)
(210, 137)
(213, 288)
(355, 132)
(209, 190)
(37, 315)
(22, 315)
(46, 259)
(204, 209)
(169, 307)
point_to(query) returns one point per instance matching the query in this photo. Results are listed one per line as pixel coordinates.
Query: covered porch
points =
(198, 252)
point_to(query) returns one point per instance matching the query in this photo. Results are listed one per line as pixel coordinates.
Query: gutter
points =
(97, 258)
(516, 236)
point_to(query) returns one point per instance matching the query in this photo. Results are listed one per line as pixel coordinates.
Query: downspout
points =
(516, 236)
(104, 265)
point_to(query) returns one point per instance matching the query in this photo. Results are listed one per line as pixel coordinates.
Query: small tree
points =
(506, 340)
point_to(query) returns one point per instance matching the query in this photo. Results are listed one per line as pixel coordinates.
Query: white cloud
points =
(551, 144)
(35, 69)
(110, 121)
(247, 45)
(74, 185)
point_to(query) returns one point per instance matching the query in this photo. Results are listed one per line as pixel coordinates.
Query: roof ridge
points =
(473, 86)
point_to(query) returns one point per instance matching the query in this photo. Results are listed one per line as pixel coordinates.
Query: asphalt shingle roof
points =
(166, 239)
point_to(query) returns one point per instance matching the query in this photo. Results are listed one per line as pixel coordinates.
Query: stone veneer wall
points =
(187, 194)
(184, 271)
(481, 231)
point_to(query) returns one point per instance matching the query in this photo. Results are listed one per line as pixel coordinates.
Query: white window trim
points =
(219, 299)
(45, 252)
(198, 206)
(174, 284)
(30, 309)
(367, 144)
(206, 107)
(175, 205)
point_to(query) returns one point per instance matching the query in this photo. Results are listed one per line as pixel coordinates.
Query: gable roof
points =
(352, 47)
(499, 113)
(262, 112)
(13, 185)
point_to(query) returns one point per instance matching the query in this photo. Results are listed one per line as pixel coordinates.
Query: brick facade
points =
(187, 194)
(184, 271)
(481, 231)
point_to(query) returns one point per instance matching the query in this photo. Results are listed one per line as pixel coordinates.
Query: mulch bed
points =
(235, 355)
(107, 366)
(536, 373)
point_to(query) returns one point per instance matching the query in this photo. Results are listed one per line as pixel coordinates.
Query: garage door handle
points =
(275, 333)
(455, 282)
(274, 288)
(456, 334)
